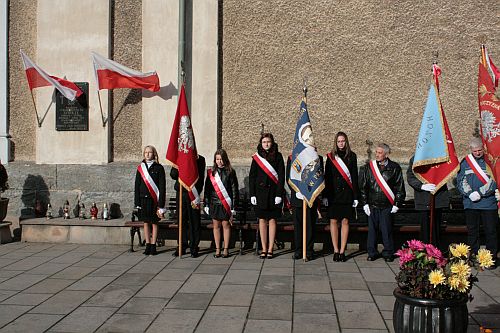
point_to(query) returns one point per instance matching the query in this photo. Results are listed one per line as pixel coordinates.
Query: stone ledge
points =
(59, 221)
(5, 234)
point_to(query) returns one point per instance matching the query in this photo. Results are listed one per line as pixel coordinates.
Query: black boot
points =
(153, 250)
(147, 251)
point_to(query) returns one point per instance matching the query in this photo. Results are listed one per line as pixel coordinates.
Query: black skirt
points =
(340, 211)
(147, 213)
(268, 214)
(218, 212)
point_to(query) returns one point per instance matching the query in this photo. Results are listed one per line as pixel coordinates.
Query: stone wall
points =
(367, 65)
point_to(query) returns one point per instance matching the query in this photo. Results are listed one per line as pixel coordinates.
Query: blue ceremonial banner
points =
(306, 171)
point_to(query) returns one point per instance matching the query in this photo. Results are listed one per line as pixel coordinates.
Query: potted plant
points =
(3, 187)
(432, 290)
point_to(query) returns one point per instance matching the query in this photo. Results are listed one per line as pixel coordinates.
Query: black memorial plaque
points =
(73, 115)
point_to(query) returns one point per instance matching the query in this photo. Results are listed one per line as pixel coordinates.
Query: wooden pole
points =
(432, 207)
(36, 112)
(100, 107)
(304, 231)
(179, 214)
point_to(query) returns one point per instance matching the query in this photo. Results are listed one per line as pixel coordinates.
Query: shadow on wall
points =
(35, 197)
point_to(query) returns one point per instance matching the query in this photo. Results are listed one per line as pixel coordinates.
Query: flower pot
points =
(428, 315)
(4, 202)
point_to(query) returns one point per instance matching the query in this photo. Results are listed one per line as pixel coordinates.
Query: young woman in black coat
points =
(267, 189)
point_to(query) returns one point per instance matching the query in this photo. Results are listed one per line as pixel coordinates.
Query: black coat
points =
(337, 190)
(422, 198)
(293, 199)
(174, 174)
(230, 182)
(371, 193)
(263, 187)
(157, 173)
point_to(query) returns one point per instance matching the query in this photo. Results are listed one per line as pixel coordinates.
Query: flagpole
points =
(180, 220)
(36, 111)
(100, 107)
(304, 204)
(432, 198)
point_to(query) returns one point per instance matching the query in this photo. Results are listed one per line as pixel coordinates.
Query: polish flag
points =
(37, 77)
(110, 75)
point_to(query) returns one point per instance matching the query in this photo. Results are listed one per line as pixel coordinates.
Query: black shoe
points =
(217, 255)
(296, 256)
(153, 250)
(194, 254)
(342, 257)
(147, 251)
(176, 252)
(263, 255)
(371, 258)
(270, 255)
(309, 257)
(389, 259)
(336, 256)
(226, 254)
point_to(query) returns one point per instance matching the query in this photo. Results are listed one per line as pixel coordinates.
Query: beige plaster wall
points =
(22, 35)
(127, 103)
(367, 64)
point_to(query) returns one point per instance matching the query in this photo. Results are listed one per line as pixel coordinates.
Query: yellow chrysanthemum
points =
(461, 269)
(454, 282)
(436, 278)
(485, 258)
(463, 285)
(459, 250)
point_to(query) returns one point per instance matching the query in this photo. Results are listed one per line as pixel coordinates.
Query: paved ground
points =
(75, 288)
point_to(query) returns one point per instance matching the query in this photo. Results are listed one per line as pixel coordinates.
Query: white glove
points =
(253, 200)
(207, 210)
(355, 203)
(195, 202)
(233, 212)
(428, 187)
(475, 196)
(366, 208)
(299, 195)
(497, 195)
(394, 209)
(162, 211)
(277, 200)
(325, 202)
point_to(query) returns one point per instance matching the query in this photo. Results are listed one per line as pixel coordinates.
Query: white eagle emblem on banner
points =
(186, 140)
(490, 126)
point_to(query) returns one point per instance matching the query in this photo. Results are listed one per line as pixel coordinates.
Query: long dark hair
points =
(269, 155)
(336, 150)
(225, 159)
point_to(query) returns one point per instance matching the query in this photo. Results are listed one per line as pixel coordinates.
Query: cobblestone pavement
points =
(94, 288)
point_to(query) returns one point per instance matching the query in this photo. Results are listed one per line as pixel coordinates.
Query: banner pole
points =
(36, 111)
(304, 231)
(179, 215)
(432, 207)
(100, 107)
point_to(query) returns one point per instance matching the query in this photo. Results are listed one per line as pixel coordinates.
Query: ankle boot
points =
(153, 250)
(147, 251)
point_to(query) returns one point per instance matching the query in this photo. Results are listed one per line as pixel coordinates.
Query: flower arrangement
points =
(426, 273)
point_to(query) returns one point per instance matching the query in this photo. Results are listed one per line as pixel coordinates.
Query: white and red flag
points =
(37, 77)
(111, 75)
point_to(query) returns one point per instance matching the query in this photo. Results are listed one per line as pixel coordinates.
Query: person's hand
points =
(160, 212)
(428, 187)
(253, 200)
(355, 203)
(207, 210)
(299, 195)
(325, 202)
(277, 200)
(497, 194)
(233, 212)
(475, 196)
(394, 209)
(196, 201)
(366, 208)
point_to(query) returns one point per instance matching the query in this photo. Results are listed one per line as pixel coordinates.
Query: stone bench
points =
(5, 234)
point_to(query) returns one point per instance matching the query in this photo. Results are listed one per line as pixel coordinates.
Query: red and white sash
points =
(150, 184)
(342, 168)
(220, 190)
(483, 177)
(266, 166)
(193, 195)
(381, 182)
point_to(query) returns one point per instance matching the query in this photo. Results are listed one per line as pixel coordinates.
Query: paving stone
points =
(311, 269)
(489, 284)
(262, 326)
(209, 259)
(63, 303)
(10, 312)
(190, 301)
(148, 267)
(362, 262)
(6, 261)
(25, 298)
(482, 302)
(382, 288)
(342, 267)
(384, 303)
(387, 315)
(126, 323)
(130, 259)
(378, 274)
(140, 305)
(50, 253)
(241, 276)
(27, 264)
(233, 318)
(133, 279)
(211, 269)
(236, 295)
(247, 265)
(313, 303)
(91, 283)
(278, 307)
(202, 283)
(341, 280)
(91, 262)
(113, 296)
(277, 271)
(278, 263)
(349, 315)
(21, 281)
(84, 319)
(8, 274)
(357, 330)
(32, 323)
(312, 284)
(352, 296)
(49, 286)
(71, 257)
(174, 274)
(176, 321)
(317, 323)
(48, 268)
(275, 285)
(110, 270)
(4, 294)
(159, 288)
(73, 273)
(184, 264)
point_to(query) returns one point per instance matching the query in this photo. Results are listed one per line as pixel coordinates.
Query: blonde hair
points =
(155, 153)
